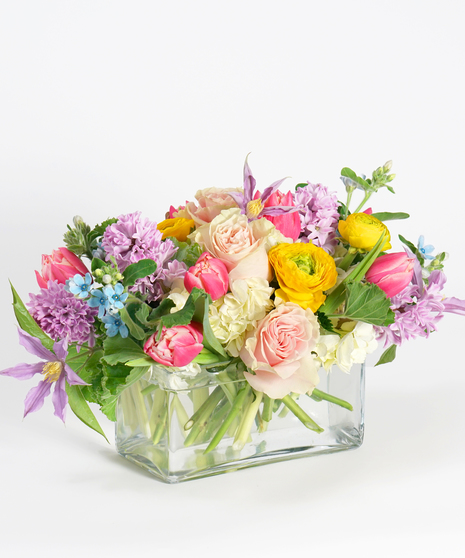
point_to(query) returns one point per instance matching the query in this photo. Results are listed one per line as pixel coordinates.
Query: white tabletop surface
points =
(111, 107)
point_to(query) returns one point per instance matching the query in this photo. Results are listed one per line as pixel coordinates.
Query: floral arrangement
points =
(266, 286)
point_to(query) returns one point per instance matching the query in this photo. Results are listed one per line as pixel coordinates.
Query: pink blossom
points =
(211, 202)
(391, 272)
(279, 351)
(209, 274)
(61, 265)
(287, 223)
(177, 346)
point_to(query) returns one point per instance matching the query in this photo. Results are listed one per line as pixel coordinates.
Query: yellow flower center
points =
(305, 263)
(254, 208)
(52, 371)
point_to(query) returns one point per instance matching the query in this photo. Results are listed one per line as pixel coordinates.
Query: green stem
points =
(267, 412)
(349, 198)
(247, 421)
(301, 414)
(149, 389)
(217, 417)
(228, 420)
(160, 428)
(347, 260)
(156, 414)
(318, 395)
(200, 418)
(365, 199)
(199, 396)
(141, 410)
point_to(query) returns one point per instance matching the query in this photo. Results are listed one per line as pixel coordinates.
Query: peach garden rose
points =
(211, 201)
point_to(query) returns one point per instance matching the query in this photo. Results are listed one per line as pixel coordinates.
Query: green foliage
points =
(188, 252)
(81, 409)
(121, 350)
(117, 380)
(76, 238)
(162, 309)
(128, 315)
(368, 303)
(98, 231)
(413, 248)
(387, 216)
(358, 180)
(388, 356)
(301, 185)
(97, 263)
(138, 270)
(27, 323)
(325, 322)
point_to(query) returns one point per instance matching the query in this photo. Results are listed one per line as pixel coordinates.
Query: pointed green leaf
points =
(388, 356)
(96, 263)
(128, 315)
(349, 173)
(81, 409)
(138, 270)
(161, 310)
(325, 322)
(110, 399)
(387, 216)
(188, 252)
(118, 349)
(27, 323)
(367, 303)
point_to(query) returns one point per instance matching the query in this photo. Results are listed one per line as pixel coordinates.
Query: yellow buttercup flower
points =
(177, 227)
(363, 231)
(304, 272)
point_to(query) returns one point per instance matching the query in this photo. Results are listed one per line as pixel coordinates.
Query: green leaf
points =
(144, 361)
(388, 356)
(142, 313)
(98, 231)
(97, 263)
(367, 303)
(387, 216)
(164, 308)
(210, 341)
(27, 323)
(301, 185)
(110, 398)
(186, 252)
(349, 173)
(81, 409)
(118, 349)
(391, 189)
(138, 270)
(325, 322)
(185, 315)
(128, 315)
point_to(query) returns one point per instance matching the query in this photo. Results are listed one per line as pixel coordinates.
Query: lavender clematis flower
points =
(254, 206)
(54, 369)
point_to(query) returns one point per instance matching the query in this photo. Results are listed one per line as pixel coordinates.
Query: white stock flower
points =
(179, 296)
(238, 312)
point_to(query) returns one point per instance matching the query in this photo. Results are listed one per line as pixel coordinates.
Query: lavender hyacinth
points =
(61, 315)
(318, 215)
(133, 238)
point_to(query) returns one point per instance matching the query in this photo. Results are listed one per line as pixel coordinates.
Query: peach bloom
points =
(211, 202)
(279, 352)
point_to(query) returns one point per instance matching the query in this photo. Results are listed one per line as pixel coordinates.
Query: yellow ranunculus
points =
(363, 231)
(177, 227)
(303, 272)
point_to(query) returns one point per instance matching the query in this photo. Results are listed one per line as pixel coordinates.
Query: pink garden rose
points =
(61, 265)
(242, 246)
(211, 202)
(209, 274)
(279, 351)
(289, 223)
(177, 346)
(391, 272)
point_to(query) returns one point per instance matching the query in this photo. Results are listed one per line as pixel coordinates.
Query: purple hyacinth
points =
(54, 370)
(61, 315)
(418, 309)
(133, 238)
(174, 270)
(318, 215)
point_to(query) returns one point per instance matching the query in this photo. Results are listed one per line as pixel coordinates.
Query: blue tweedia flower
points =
(79, 285)
(425, 251)
(114, 325)
(115, 295)
(100, 300)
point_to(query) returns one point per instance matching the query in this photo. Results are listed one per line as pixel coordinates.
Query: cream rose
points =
(211, 202)
(279, 351)
(240, 245)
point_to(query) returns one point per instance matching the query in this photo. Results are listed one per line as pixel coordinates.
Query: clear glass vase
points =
(180, 427)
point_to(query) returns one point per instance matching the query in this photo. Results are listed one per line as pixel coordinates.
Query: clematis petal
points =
(34, 346)
(61, 349)
(60, 398)
(72, 378)
(239, 198)
(36, 396)
(454, 305)
(23, 371)
(249, 182)
(272, 189)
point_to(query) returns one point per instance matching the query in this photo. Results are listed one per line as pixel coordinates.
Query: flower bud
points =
(387, 166)
(210, 274)
(391, 272)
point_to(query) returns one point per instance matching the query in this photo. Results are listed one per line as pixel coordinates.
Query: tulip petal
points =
(41, 281)
(36, 396)
(272, 189)
(74, 260)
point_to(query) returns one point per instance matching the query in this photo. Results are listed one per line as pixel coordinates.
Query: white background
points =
(109, 107)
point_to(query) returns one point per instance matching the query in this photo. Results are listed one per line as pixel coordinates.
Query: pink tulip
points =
(61, 265)
(177, 346)
(289, 223)
(391, 272)
(209, 274)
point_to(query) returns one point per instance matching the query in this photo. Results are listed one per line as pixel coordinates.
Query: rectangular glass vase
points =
(155, 430)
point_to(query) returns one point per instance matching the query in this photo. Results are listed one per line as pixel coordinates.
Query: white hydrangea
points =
(179, 296)
(350, 349)
(238, 312)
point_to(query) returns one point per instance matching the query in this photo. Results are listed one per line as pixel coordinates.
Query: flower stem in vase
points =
(199, 396)
(199, 419)
(268, 405)
(301, 414)
(247, 421)
(229, 419)
(217, 417)
(318, 395)
(285, 409)
(157, 410)
(160, 427)
(181, 413)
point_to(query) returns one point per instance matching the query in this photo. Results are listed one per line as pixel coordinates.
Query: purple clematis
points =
(254, 205)
(54, 369)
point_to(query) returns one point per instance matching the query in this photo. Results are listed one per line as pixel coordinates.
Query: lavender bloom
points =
(174, 270)
(133, 238)
(418, 310)
(318, 215)
(61, 315)
(54, 369)
(254, 205)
